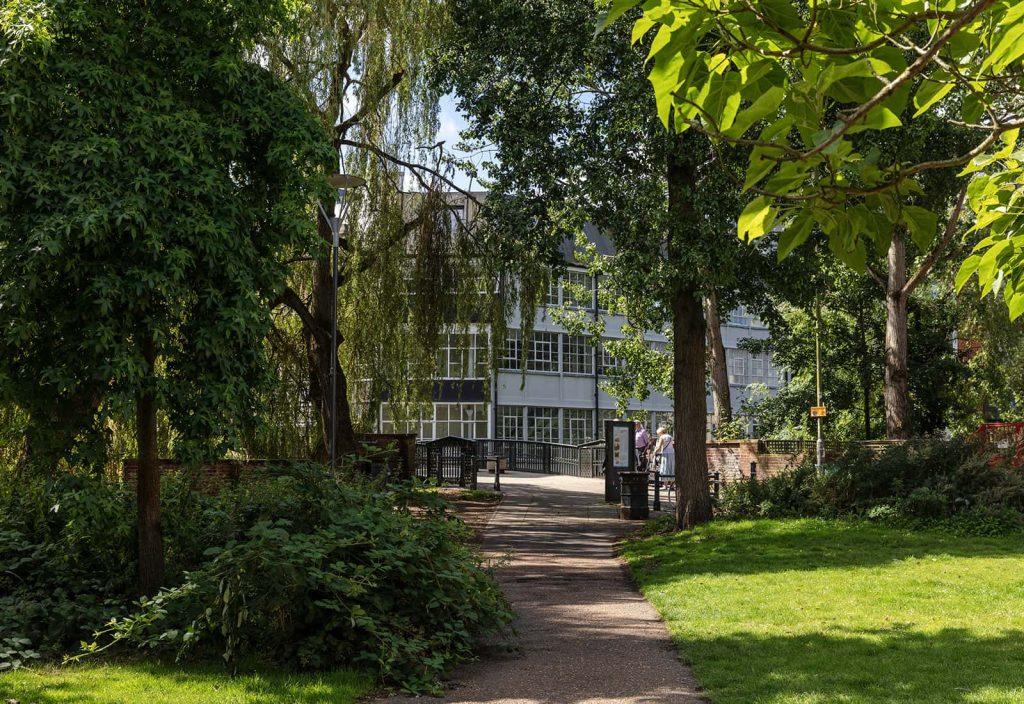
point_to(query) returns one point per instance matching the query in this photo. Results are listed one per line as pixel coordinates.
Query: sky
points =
(451, 123)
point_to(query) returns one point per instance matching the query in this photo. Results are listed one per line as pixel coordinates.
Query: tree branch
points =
(937, 251)
(414, 169)
(290, 299)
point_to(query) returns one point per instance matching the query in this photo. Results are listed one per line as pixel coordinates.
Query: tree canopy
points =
(807, 87)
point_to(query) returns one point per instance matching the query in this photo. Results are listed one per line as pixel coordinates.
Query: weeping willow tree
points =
(407, 261)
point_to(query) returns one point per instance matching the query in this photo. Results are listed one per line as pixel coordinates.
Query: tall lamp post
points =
(341, 183)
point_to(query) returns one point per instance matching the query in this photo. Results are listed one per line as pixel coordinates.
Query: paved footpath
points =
(584, 633)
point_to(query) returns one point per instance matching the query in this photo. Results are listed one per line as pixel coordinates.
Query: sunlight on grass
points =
(159, 684)
(809, 612)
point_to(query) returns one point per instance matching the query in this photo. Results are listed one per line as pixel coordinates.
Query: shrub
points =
(291, 567)
(944, 484)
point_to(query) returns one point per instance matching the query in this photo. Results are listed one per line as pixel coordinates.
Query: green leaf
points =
(760, 165)
(921, 222)
(723, 99)
(765, 105)
(967, 269)
(938, 86)
(618, 9)
(795, 234)
(756, 219)
(880, 118)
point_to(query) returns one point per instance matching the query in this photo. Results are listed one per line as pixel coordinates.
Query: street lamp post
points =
(341, 183)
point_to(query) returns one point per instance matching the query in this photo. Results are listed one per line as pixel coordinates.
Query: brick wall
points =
(207, 474)
(732, 460)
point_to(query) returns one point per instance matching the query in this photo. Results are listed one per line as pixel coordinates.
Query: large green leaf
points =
(795, 234)
(767, 104)
(756, 219)
(922, 223)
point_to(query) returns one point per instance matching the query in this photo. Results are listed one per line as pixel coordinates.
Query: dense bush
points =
(292, 567)
(939, 483)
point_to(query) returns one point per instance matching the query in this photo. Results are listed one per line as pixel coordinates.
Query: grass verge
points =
(809, 612)
(130, 683)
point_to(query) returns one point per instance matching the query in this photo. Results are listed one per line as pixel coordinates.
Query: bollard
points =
(753, 470)
(497, 476)
(657, 491)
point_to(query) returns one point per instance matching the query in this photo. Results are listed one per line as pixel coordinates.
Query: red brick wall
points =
(732, 460)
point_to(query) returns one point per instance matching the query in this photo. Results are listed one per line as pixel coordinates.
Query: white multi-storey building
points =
(559, 397)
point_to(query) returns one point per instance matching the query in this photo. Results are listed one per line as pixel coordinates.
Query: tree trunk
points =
(693, 504)
(151, 549)
(323, 287)
(719, 367)
(897, 404)
(689, 403)
(865, 368)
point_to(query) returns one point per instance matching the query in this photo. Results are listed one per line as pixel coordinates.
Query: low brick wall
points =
(211, 472)
(733, 460)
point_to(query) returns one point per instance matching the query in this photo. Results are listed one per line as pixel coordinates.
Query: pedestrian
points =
(643, 444)
(665, 456)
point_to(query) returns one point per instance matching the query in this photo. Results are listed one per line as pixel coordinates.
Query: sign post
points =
(619, 456)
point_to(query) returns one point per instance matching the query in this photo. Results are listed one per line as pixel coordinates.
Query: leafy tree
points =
(152, 177)
(810, 89)
(575, 138)
(360, 66)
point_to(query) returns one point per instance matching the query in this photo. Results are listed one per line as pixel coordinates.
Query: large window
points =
(552, 299)
(512, 360)
(542, 424)
(466, 420)
(463, 356)
(609, 361)
(577, 355)
(603, 415)
(543, 352)
(757, 368)
(577, 425)
(737, 367)
(510, 423)
(573, 299)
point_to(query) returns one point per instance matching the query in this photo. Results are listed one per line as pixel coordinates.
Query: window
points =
(757, 368)
(543, 352)
(577, 355)
(479, 343)
(737, 368)
(453, 358)
(771, 373)
(542, 424)
(466, 420)
(513, 357)
(609, 361)
(577, 279)
(662, 418)
(457, 217)
(603, 415)
(577, 425)
(552, 299)
(740, 317)
(510, 423)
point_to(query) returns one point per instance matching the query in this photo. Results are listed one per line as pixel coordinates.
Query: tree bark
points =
(693, 504)
(897, 403)
(151, 549)
(689, 403)
(865, 369)
(720, 391)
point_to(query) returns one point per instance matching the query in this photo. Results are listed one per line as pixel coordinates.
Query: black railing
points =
(447, 460)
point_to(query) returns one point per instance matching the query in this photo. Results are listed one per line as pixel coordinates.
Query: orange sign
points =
(818, 412)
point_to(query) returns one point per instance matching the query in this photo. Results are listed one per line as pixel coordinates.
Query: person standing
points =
(665, 456)
(643, 444)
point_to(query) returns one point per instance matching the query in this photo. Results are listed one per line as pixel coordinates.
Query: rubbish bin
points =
(633, 504)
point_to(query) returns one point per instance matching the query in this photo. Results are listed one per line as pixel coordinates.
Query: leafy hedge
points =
(292, 568)
(931, 483)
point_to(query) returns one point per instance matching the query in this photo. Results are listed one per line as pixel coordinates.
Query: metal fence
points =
(449, 459)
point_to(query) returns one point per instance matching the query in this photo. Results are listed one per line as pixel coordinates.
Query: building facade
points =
(548, 388)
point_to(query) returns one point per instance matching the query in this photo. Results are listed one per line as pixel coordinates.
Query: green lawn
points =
(804, 611)
(134, 683)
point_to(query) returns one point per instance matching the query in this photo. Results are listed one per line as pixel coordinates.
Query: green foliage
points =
(951, 484)
(812, 90)
(152, 179)
(290, 567)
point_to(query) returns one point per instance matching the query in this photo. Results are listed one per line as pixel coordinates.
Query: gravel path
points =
(584, 633)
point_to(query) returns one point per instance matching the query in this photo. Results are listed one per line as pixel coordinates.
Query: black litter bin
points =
(633, 505)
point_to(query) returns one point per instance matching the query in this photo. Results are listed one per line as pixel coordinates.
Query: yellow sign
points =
(818, 412)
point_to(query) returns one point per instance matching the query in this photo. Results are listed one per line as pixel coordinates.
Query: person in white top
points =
(665, 452)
